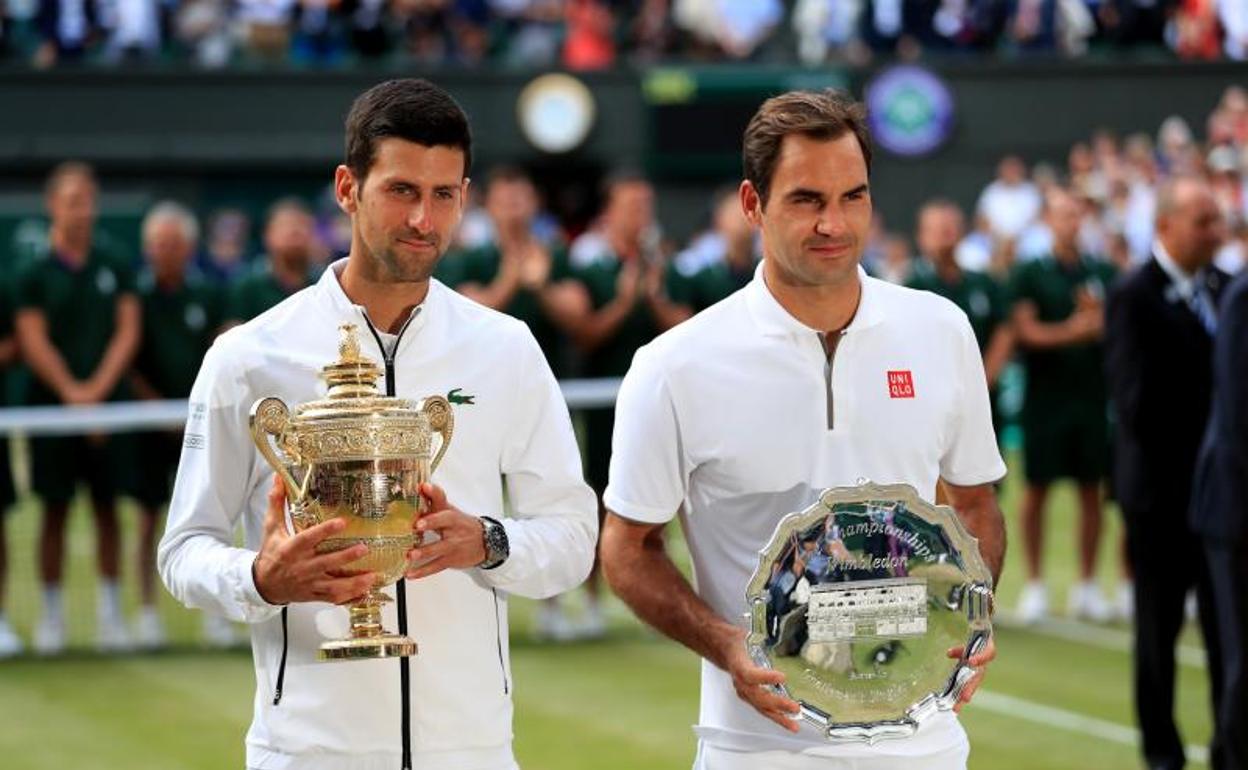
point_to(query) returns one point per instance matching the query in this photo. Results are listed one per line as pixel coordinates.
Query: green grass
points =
(627, 702)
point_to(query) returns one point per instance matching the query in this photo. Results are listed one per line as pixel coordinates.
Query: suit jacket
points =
(1220, 501)
(1157, 357)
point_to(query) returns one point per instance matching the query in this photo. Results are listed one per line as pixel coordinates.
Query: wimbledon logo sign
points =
(910, 110)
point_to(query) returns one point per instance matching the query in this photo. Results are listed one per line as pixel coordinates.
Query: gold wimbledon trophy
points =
(359, 456)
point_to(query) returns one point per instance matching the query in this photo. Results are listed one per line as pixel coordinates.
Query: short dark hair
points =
(408, 108)
(619, 177)
(824, 115)
(282, 205)
(67, 170)
(506, 173)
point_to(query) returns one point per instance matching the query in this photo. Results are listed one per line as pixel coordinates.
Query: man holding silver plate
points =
(390, 513)
(801, 428)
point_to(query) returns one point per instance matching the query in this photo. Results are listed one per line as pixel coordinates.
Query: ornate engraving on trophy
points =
(359, 456)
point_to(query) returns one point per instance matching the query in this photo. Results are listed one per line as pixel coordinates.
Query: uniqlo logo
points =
(900, 384)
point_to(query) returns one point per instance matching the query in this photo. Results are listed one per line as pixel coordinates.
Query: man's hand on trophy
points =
(979, 661)
(755, 684)
(461, 537)
(288, 568)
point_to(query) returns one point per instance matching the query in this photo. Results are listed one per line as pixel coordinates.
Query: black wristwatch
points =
(497, 547)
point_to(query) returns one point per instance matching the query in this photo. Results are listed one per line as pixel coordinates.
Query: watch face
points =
(497, 546)
(555, 113)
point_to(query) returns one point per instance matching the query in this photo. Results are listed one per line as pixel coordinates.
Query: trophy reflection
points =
(360, 456)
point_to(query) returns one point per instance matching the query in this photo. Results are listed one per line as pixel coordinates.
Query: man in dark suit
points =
(1220, 516)
(1159, 342)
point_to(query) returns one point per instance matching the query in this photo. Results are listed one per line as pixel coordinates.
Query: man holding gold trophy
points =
(801, 428)
(343, 488)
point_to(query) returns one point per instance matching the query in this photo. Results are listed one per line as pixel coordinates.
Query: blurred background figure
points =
(940, 230)
(1159, 343)
(716, 262)
(618, 271)
(285, 267)
(181, 313)
(78, 326)
(1058, 316)
(10, 643)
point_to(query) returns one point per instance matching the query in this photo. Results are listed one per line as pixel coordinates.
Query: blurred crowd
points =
(598, 34)
(85, 323)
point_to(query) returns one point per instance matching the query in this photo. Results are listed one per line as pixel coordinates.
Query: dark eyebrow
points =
(803, 192)
(862, 188)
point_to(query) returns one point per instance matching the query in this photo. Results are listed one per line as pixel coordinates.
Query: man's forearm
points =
(978, 509)
(46, 362)
(602, 325)
(121, 348)
(648, 582)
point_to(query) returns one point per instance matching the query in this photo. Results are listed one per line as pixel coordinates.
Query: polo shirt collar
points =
(772, 319)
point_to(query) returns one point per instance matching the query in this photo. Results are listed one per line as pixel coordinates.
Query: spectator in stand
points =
(367, 27)
(135, 33)
(68, 29)
(1032, 26)
(1058, 316)
(285, 268)
(78, 325)
(1192, 31)
(742, 26)
(590, 39)
(180, 316)
(1011, 202)
(533, 31)
(203, 27)
(1134, 22)
(265, 26)
(426, 26)
(318, 35)
(1234, 17)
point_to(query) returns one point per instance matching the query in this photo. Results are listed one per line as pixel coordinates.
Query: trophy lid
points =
(352, 381)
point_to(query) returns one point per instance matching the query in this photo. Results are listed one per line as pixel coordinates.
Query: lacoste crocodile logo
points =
(455, 398)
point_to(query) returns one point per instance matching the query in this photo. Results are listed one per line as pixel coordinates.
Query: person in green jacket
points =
(181, 315)
(941, 227)
(78, 324)
(1059, 317)
(285, 268)
(517, 272)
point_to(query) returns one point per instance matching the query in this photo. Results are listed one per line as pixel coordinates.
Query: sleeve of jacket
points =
(197, 558)
(1124, 357)
(553, 526)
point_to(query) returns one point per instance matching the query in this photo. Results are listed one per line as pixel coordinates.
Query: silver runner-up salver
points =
(858, 600)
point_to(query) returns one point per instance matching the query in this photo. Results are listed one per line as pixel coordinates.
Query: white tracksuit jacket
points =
(514, 440)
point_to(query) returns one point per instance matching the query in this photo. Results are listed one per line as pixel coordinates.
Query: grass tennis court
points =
(1057, 697)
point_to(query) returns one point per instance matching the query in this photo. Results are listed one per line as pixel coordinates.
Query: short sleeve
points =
(649, 472)
(972, 456)
(26, 290)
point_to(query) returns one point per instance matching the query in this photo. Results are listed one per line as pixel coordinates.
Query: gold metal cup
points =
(360, 456)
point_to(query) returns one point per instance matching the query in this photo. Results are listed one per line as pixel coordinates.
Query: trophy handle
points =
(271, 417)
(441, 422)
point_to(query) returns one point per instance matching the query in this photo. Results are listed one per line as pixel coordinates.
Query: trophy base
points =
(373, 648)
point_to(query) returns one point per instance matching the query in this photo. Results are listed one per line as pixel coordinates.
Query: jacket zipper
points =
(830, 342)
(498, 637)
(400, 588)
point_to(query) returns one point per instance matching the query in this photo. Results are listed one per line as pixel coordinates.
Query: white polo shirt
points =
(726, 419)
